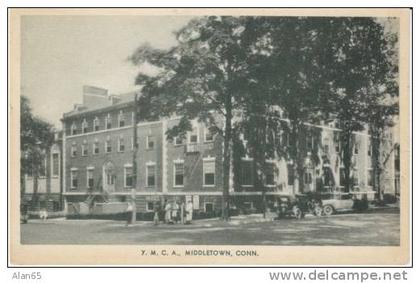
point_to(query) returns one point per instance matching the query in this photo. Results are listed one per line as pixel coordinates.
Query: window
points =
(208, 136)
(108, 146)
(247, 173)
(193, 135)
(121, 119)
(84, 149)
(73, 129)
(55, 164)
(128, 176)
(108, 122)
(370, 178)
(151, 175)
(309, 142)
(84, 126)
(326, 144)
(150, 142)
(96, 124)
(121, 145)
(96, 147)
(342, 177)
(178, 141)
(73, 177)
(179, 174)
(355, 178)
(208, 207)
(89, 176)
(42, 168)
(150, 206)
(209, 172)
(74, 150)
(308, 178)
(337, 142)
(356, 148)
(290, 175)
(270, 174)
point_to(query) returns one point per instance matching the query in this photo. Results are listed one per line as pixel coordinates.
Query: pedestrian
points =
(156, 209)
(175, 208)
(167, 212)
(189, 212)
(43, 214)
(129, 212)
(182, 214)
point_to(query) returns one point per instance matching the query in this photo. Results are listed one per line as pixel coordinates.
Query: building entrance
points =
(109, 177)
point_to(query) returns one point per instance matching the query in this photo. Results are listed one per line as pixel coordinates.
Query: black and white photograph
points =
(208, 134)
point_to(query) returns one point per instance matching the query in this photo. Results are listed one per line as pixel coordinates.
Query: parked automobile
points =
(331, 206)
(328, 204)
(290, 206)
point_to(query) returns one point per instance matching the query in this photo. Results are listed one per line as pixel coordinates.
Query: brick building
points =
(98, 160)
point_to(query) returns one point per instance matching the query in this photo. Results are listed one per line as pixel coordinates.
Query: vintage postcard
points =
(209, 137)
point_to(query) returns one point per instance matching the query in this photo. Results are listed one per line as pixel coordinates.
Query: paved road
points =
(367, 229)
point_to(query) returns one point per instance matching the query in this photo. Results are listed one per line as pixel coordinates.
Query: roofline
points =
(70, 115)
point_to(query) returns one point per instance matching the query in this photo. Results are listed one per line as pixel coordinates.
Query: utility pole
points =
(135, 150)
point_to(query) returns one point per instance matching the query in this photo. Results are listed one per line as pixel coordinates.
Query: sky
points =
(60, 54)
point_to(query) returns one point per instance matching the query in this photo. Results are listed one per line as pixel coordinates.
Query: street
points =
(379, 228)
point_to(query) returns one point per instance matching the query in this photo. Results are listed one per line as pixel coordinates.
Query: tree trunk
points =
(347, 155)
(226, 158)
(34, 200)
(376, 166)
(48, 177)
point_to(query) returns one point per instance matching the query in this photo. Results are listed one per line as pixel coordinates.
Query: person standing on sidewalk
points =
(156, 209)
(129, 212)
(182, 214)
(189, 212)
(168, 212)
(175, 212)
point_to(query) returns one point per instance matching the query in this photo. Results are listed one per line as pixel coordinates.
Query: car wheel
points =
(328, 209)
(318, 211)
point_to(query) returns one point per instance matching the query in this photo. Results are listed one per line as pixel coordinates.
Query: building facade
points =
(47, 186)
(98, 150)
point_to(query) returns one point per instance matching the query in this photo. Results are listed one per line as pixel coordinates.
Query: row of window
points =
(209, 175)
(121, 143)
(108, 145)
(193, 136)
(96, 124)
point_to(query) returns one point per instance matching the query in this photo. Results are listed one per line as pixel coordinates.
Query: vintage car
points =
(332, 203)
(330, 206)
(290, 206)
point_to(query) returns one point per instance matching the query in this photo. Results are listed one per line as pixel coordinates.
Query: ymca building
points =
(98, 150)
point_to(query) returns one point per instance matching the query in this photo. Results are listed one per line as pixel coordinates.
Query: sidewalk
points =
(205, 223)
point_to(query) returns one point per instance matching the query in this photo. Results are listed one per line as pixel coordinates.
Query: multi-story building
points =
(98, 160)
(46, 186)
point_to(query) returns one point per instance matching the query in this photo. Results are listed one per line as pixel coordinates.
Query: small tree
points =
(36, 138)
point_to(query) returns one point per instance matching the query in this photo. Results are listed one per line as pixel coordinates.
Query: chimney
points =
(94, 97)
